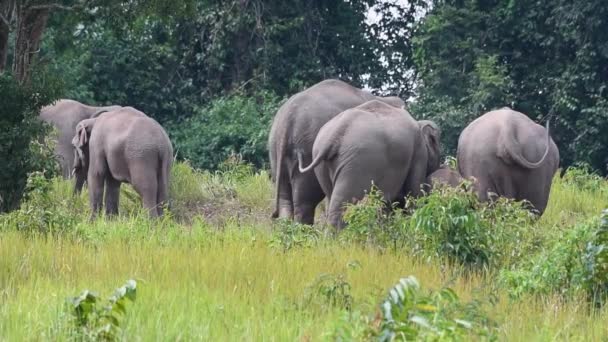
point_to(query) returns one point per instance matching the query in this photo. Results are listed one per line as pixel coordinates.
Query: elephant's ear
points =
(81, 138)
(431, 135)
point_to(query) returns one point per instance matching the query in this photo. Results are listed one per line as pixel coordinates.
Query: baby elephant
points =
(374, 142)
(123, 145)
(444, 175)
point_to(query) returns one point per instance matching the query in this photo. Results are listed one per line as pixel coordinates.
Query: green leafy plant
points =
(288, 235)
(595, 260)
(95, 321)
(372, 222)
(44, 210)
(235, 124)
(22, 134)
(409, 314)
(576, 263)
(451, 223)
(331, 290)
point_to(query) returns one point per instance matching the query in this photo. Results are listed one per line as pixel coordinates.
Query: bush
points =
(228, 125)
(97, 322)
(410, 314)
(451, 223)
(22, 134)
(575, 264)
(47, 207)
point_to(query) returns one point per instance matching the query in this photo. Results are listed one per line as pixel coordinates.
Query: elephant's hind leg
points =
(307, 194)
(145, 181)
(112, 195)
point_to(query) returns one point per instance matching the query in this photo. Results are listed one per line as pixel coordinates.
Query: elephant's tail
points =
(521, 160)
(312, 165)
(277, 178)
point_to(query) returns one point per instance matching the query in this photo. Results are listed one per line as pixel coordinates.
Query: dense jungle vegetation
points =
(216, 267)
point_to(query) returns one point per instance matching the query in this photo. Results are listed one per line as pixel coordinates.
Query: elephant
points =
(509, 155)
(372, 143)
(295, 127)
(444, 175)
(65, 115)
(123, 145)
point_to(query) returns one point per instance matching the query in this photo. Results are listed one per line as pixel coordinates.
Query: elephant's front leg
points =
(112, 196)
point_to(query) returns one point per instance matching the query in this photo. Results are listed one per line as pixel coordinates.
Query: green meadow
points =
(216, 267)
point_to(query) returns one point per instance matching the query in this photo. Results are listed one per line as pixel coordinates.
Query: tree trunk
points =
(31, 23)
(6, 15)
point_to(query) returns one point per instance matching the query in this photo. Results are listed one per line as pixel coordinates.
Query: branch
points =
(4, 20)
(59, 6)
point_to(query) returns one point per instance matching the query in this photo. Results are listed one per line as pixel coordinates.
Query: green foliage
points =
(332, 290)
(288, 235)
(595, 260)
(95, 321)
(452, 223)
(228, 125)
(21, 134)
(557, 269)
(449, 223)
(44, 211)
(582, 177)
(575, 264)
(410, 314)
(371, 222)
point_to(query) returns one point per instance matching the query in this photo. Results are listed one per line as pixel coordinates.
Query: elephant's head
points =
(81, 149)
(431, 135)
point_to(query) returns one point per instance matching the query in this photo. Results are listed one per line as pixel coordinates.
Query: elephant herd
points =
(331, 140)
(334, 140)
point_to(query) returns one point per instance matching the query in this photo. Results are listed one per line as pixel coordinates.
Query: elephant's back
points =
(133, 132)
(301, 117)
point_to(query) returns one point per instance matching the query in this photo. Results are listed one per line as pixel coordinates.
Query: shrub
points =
(575, 264)
(411, 314)
(331, 290)
(48, 207)
(20, 134)
(288, 235)
(370, 221)
(227, 125)
(451, 223)
(95, 321)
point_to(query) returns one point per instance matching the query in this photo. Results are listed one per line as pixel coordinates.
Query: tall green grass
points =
(218, 268)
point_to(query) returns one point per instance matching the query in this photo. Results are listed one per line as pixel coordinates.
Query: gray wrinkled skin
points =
(444, 175)
(295, 128)
(509, 155)
(119, 146)
(377, 143)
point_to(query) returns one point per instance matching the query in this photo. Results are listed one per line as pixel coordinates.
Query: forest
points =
(227, 260)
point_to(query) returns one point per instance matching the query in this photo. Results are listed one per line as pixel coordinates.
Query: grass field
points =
(217, 269)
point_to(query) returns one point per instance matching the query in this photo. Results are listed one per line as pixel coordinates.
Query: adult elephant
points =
(372, 143)
(509, 155)
(65, 115)
(119, 146)
(294, 128)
